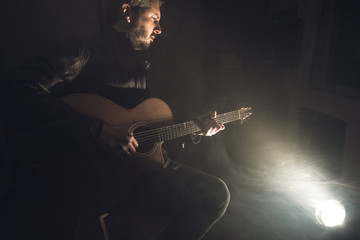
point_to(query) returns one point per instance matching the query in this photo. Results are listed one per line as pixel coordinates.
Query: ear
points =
(126, 12)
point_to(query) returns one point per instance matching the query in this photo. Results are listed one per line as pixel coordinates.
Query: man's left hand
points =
(209, 126)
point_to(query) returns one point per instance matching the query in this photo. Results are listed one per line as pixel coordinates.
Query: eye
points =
(155, 18)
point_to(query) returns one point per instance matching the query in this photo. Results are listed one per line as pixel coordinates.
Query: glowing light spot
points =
(330, 213)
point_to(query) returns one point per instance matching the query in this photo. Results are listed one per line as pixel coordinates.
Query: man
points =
(85, 165)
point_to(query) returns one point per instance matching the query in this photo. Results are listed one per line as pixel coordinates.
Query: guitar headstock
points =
(244, 113)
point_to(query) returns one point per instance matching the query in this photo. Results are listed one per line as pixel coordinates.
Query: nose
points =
(157, 29)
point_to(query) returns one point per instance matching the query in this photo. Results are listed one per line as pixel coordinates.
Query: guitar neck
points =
(186, 128)
(109, 112)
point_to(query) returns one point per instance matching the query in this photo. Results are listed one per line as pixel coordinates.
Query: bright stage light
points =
(330, 213)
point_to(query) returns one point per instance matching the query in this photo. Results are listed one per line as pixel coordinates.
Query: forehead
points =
(154, 9)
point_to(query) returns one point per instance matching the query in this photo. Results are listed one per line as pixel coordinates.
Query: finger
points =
(124, 149)
(134, 142)
(215, 125)
(210, 132)
(219, 127)
(131, 148)
(132, 145)
(214, 131)
(214, 114)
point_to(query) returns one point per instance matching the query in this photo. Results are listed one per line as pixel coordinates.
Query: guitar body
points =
(147, 115)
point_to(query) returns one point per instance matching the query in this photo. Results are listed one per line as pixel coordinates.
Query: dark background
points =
(294, 62)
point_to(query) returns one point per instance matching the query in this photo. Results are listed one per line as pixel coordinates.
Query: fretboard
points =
(186, 128)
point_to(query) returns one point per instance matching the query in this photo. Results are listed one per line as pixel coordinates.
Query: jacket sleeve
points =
(27, 101)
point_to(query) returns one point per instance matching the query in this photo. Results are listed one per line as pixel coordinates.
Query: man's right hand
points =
(118, 139)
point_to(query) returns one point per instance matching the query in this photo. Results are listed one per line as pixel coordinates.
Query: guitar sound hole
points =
(144, 138)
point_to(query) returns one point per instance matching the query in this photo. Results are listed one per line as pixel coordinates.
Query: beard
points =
(138, 37)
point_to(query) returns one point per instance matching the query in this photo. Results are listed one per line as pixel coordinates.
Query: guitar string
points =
(177, 130)
(169, 132)
(181, 125)
(175, 126)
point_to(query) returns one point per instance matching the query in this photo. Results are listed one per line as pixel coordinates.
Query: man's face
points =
(145, 27)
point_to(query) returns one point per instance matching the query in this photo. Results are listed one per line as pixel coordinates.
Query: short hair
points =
(114, 7)
(143, 3)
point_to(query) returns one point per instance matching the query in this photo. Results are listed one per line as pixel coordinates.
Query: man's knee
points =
(218, 198)
(224, 197)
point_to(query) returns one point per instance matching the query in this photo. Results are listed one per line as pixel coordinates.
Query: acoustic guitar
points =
(146, 122)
